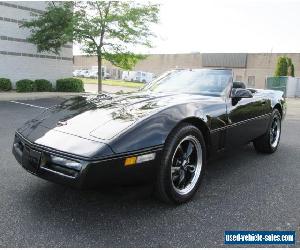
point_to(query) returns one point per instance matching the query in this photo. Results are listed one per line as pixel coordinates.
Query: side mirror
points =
(239, 93)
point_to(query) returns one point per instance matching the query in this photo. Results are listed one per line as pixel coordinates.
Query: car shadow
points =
(117, 209)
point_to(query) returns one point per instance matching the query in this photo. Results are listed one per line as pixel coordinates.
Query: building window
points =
(238, 78)
(251, 81)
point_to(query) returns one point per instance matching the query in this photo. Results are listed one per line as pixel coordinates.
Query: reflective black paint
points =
(97, 128)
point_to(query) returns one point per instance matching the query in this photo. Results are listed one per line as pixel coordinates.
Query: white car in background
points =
(106, 75)
(77, 72)
(137, 76)
(94, 74)
(84, 73)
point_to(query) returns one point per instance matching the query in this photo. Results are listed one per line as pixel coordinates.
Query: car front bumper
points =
(92, 173)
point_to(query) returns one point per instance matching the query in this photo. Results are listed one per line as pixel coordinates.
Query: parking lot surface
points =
(241, 190)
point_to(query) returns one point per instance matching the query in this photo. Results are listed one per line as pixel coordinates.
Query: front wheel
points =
(182, 165)
(269, 142)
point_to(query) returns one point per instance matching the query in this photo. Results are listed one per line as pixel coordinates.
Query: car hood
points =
(87, 125)
(100, 117)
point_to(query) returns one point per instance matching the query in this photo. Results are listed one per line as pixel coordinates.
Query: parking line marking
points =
(30, 105)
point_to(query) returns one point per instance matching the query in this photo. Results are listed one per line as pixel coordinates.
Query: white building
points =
(19, 58)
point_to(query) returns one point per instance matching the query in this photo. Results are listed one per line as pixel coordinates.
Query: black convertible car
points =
(164, 133)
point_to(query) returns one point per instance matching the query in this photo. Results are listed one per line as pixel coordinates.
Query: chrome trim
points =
(56, 172)
(184, 165)
(239, 123)
(275, 141)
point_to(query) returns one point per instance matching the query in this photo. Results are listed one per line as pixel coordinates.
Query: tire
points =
(179, 183)
(269, 142)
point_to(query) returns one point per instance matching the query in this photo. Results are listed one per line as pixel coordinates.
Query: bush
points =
(41, 85)
(281, 66)
(69, 85)
(5, 84)
(285, 67)
(24, 85)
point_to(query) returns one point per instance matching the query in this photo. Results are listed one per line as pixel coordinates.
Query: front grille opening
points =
(60, 170)
(63, 170)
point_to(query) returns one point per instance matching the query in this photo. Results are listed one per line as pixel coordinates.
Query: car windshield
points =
(199, 81)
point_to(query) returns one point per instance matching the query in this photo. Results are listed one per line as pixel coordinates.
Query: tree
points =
(291, 69)
(281, 67)
(285, 67)
(109, 29)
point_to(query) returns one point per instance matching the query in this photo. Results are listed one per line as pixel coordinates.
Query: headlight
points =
(65, 163)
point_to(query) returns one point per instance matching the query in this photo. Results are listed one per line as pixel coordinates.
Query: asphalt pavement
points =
(241, 190)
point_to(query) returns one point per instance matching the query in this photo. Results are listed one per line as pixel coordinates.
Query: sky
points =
(211, 26)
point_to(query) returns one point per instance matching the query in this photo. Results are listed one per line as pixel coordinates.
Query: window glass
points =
(200, 81)
(251, 81)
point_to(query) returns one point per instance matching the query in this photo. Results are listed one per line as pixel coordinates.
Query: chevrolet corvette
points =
(164, 133)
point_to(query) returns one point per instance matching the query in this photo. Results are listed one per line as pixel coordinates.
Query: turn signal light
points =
(141, 158)
(130, 161)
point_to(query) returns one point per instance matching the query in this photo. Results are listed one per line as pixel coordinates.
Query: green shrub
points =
(5, 84)
(284, 67)
(281, 66)
(69, 85)
(24, 85)
(41, 85)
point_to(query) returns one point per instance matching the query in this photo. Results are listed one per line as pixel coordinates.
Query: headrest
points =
(240, 85)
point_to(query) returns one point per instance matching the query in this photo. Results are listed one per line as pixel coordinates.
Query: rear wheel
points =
(269, 142)
(182, 165)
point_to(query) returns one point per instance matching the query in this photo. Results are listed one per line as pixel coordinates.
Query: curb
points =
(14, 96)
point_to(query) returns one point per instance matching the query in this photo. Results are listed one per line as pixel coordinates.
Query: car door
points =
(244, 120)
